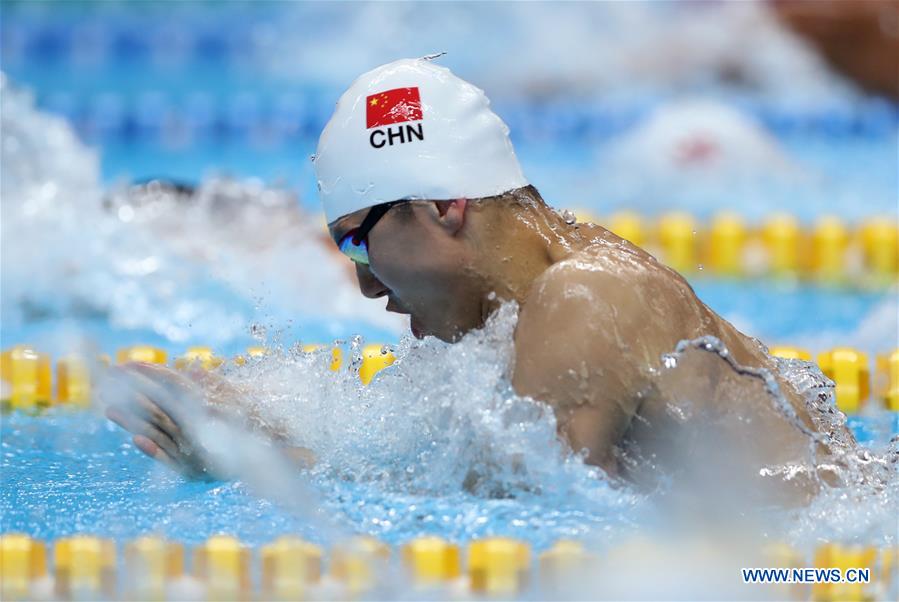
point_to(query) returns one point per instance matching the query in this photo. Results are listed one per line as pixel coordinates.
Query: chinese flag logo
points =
(392, 106)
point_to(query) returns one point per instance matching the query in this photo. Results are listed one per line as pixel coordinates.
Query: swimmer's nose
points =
(370, 286)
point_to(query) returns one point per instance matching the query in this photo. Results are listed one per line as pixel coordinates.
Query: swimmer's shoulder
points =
(612, 290)
(636, 265)
(580, 346)
(606, 260)
(590, 292)
(602, 244)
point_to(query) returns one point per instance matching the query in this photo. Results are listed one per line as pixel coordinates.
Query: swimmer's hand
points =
(167, 411)
(156, 404)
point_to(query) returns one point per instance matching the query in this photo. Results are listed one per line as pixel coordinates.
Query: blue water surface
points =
(210, 106)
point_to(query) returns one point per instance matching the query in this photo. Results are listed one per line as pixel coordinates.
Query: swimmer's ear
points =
(451, 214)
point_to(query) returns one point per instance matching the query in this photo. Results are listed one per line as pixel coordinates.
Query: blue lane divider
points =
(34, 41)
(111, 116)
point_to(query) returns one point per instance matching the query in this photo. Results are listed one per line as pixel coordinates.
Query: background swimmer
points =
(186, 263)
(202, 221)
(598, 315)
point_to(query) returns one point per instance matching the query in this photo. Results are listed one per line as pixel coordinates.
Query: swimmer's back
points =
(592, 329)
(590, 340)
(668, 292)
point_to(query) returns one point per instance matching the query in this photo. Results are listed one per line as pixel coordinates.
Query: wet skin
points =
(596, 316)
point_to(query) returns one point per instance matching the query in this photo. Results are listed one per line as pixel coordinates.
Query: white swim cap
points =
(412, 130)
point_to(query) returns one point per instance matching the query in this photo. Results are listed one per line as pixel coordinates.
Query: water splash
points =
(443, 420)
(854, 488)
(184, 264)
(438, 443)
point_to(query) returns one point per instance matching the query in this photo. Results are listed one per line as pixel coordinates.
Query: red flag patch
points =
(392, 106)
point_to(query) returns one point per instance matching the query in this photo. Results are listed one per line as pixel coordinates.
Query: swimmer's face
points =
(421, 263)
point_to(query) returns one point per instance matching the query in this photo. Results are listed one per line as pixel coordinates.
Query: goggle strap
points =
(374, 214)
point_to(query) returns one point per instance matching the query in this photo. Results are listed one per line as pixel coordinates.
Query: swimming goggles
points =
(354, 243)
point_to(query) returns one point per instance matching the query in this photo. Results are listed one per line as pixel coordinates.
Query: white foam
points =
(187, 269)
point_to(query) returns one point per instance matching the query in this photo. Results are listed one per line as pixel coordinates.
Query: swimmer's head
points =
(467, 224)
(412, 130)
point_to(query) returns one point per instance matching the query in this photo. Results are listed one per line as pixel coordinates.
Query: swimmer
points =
(200, 222)
(424, 194)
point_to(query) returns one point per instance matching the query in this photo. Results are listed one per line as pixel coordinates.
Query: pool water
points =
(394, 460)
(90, 267)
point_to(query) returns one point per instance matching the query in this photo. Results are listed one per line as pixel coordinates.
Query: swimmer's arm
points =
(230, 402)
(224, 396)
(578, 348)
(154, 402)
